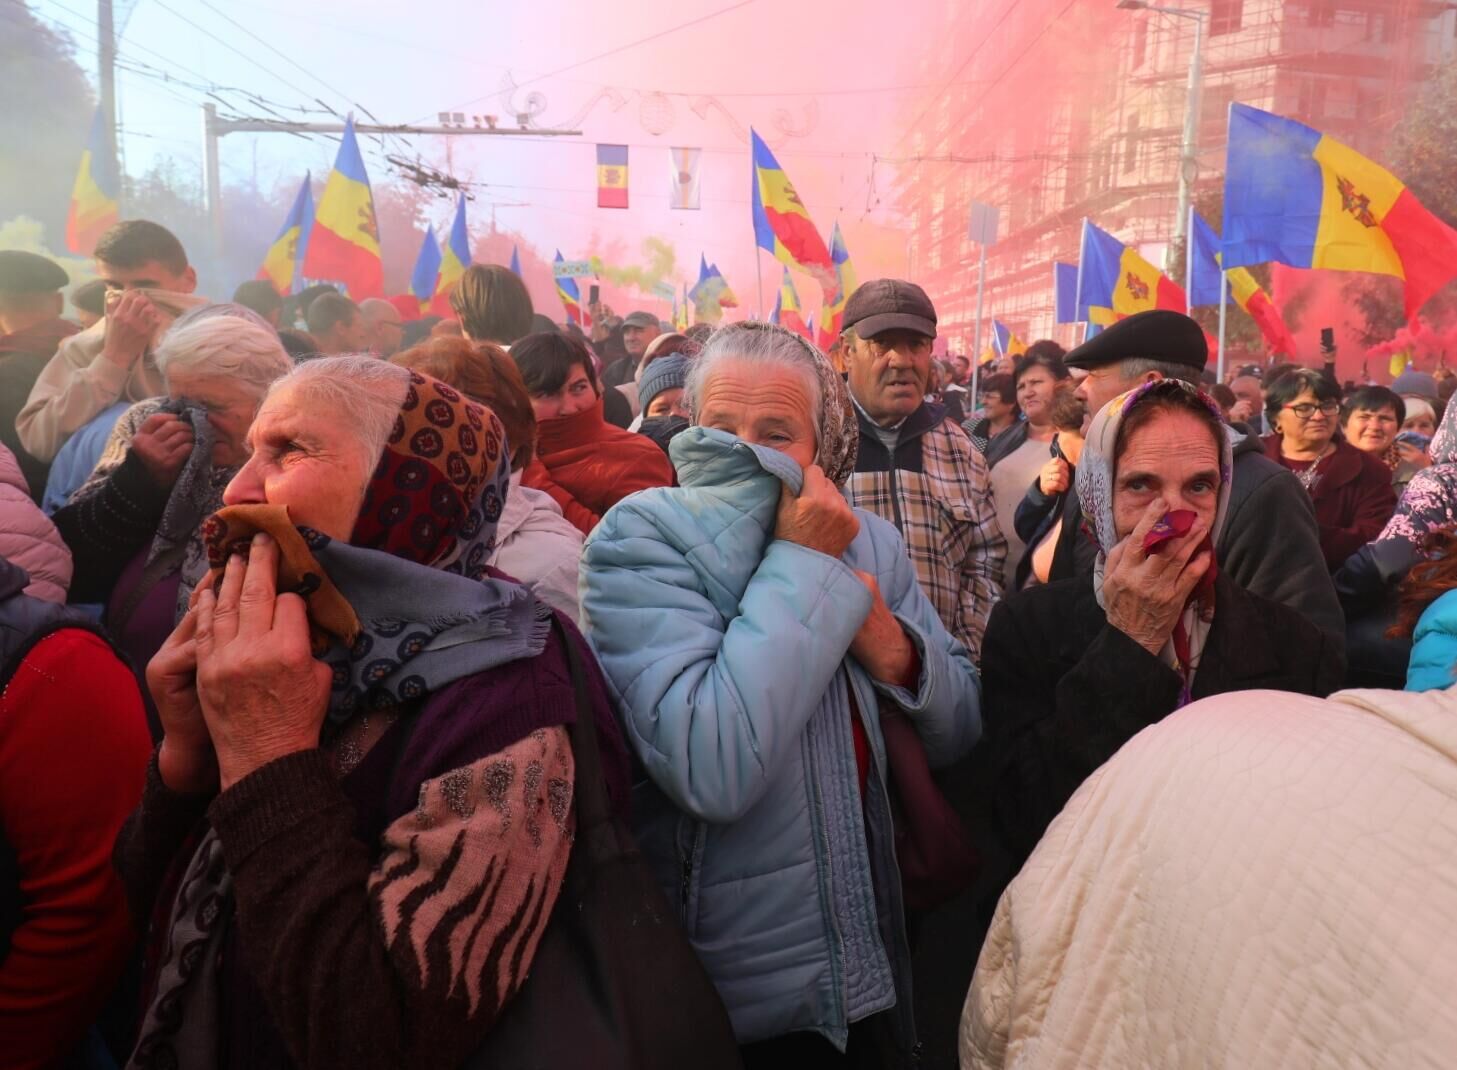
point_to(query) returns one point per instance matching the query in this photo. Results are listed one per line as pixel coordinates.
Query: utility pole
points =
(214, 128)
(106, 80)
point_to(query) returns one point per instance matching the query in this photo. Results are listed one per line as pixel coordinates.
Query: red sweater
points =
(1353, 498)
(73, 756)
(588, 466)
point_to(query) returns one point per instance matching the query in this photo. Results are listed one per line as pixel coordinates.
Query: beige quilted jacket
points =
(1261, 880)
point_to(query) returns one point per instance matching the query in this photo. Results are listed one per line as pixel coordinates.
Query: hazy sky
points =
(849, 74)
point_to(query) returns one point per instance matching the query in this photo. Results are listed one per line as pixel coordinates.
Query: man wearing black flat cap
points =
(31, 328)
(1270, 545)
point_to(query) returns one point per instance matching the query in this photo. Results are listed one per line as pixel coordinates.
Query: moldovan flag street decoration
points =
(1204, 267)
(787, 312)
(1297, 197)
(1115, 281)
(1005, 340)
(566, 289)
(281, 262)
(427, 271)
(344, 246)
(454, 259)
(781, 223)
(684, 169)
(832, 313)
(95, 193)
(611, 176)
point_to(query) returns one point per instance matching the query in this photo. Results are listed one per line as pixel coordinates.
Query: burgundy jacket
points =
(1353, 499)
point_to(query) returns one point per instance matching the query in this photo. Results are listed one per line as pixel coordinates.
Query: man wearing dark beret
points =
(31, 328)
(1270, 545)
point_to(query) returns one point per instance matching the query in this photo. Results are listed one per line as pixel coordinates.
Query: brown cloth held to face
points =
(231, 529)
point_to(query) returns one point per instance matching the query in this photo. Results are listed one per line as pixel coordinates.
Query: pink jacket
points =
(28, 538)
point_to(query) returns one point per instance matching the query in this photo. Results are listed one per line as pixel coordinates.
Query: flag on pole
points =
(566, 288)
(684, 168)
(516, 261)
(708, 293)
(1005, 340)
(454, 259)
(781, 223)
(1065, 292)
(787, 311)
(96, 192)
(1295, 196)
(1204, 265)
(427, 270)
(832, 313)
(1116, 281)
(1399, 362)
(680, 311)
(281, 262)
(611, 176)
(726, 296)
(344, 245)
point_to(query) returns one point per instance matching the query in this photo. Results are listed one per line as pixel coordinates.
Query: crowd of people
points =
(387, 690)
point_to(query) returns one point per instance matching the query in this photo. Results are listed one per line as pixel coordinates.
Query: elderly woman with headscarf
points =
(381, 758)
(1078, 667)
(756, 631)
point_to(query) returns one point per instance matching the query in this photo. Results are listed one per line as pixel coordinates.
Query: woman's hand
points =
(819, 518)
(163, 442)
(881, 646)
(185, 759)
(263, 694)
(1054, 478)
(1143, 594)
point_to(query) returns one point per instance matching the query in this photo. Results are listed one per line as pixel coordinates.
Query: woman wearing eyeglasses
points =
(1351, 490)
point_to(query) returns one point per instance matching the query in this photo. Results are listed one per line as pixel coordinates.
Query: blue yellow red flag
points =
(1205, 264)
(1114, 281)
(344, 246)
(427, 270)
(707, 293)
(1005, 340)
(454, 259)
(832, 312)
(611, 176)
(1065, 292)
(726, 297)
(781, 223)
(566, 288)
(516, 261)
(787, 311)
(281, 262)
(1295, 196)
(96, 191)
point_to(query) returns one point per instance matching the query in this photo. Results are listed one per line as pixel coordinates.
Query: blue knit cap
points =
(662, 374)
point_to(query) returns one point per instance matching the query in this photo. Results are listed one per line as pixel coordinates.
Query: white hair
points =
(226, 347)
(361, 391)
(1420, 407)
(758, 345)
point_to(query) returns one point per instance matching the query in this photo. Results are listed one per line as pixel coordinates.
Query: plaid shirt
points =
(934, 490)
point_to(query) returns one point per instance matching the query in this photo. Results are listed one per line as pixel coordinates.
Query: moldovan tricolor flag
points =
(1204, 266)
(566, 289)
(1115, 281)
(280, 263)
(1297, 197)
(94, 194)
(781, 223)
(454, 259)
(344, 246)
(683, 167)
(611, 176)
(1005, 340)
(1065, 292)
(787, 312)
(516, 261)
(832, 313)
(427, 271)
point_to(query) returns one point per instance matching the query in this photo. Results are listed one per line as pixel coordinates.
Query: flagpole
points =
(759, 277)
(1078, 289)
(981, 282)
(1189, 262)
(1223, 312)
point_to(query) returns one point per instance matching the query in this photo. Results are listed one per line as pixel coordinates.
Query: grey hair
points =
(1137, 367)
(365, 391)
(758, 345)
(228, 347)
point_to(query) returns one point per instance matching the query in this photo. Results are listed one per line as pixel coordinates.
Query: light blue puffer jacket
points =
(1433, 665)
(727, 653)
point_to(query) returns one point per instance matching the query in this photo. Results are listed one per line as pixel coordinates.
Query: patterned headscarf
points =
(838, 435)
(1429, 503)
(1095, 480)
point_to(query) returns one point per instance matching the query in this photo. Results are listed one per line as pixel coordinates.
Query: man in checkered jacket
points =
(915, 468)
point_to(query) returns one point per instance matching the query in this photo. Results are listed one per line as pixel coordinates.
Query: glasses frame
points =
(1326, 408)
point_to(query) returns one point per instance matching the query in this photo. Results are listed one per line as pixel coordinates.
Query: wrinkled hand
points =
(132, 322)
(819, 518)
(1144, 594)
(1055, 477)
(881, 646)
(185, 759)
(263, 694)
(163, 442)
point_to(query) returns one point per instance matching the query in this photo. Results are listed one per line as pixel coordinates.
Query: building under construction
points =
(1057, 110)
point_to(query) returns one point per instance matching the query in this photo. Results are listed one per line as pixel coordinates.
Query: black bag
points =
(615, 985)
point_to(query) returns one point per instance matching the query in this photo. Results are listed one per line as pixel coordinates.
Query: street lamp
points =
(1188, 153)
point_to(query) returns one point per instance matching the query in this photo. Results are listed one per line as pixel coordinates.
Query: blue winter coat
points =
(727, 651)
(1433, 665)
